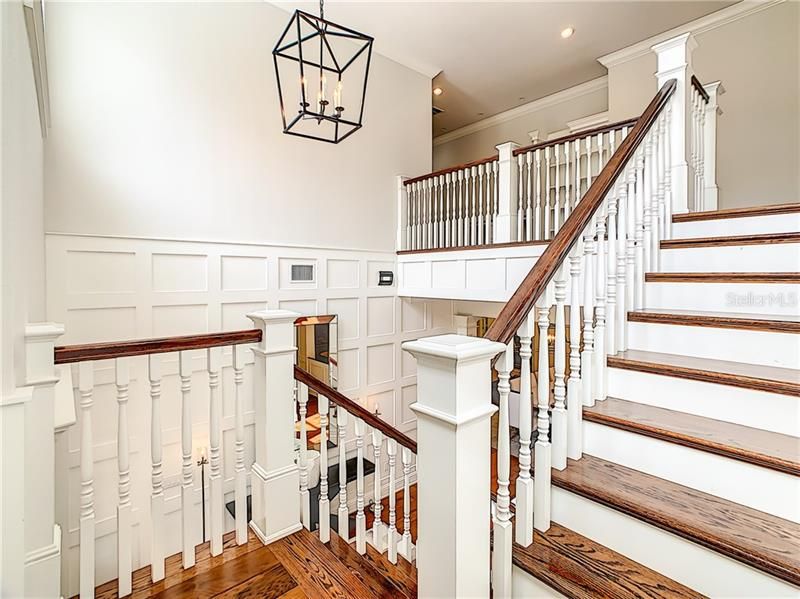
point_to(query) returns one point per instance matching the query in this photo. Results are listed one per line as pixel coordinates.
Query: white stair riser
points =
(758, 409)
(699, 568)
(751, 225)
(775, 257)
(525, 586)
(736, 345)
(746, 298)
(776, 493)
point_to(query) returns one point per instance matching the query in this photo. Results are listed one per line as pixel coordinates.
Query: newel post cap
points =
(457, 348)
(277, 330)
(505, 150)
(40, 341)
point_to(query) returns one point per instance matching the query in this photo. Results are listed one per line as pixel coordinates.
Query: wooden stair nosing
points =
(694, 441)
(581, 568)
(718, 320)
(706, 376)
(722, 277)
(732, 545)
(749, 211)
(731, 240)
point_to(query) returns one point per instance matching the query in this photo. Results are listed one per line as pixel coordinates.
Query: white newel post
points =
(275, 475)
(506, 225)
(675, 62)
(714, 90)
(454, 410)
(403, 241)
(42, 534)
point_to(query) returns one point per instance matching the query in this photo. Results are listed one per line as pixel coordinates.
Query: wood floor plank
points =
(276, 582)
(315, 569)
(752, 445)
(730, 240)
(737, 212)
(722, 277)
(582, 569)
(379, 583)
(402, 574)
(718, 320)
(771, 379)
(755, 538)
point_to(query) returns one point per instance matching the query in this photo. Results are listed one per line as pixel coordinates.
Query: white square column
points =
(454, 409)
(275, 475)
(675, 62)
(505, 228)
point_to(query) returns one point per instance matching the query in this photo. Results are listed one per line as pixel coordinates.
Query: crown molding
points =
(557, 98)
(707, 23)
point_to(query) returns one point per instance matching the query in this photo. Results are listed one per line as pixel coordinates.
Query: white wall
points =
(548, 114)
(757, 58)
(166, 123)
(122, 288)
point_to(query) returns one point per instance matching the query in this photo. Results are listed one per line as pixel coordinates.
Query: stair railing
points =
(595, 264)
(271, 345)
(367, 430)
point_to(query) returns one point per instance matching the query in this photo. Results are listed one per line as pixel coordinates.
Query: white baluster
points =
(436, 197)
(379, 530)
(240, 495)
(157, 494)
(537, 233)
(124, 538)
(529, 198)
(187, 478)
(305, 500)
(392, 535)
(343, 514)
(496, 198)
(409, 226)
(587, 359)
(638, 302)
(598, 374)
(648, 203)
(543, 451)
(547, 205)
(557, 199)
(611, 272)
(449, 211)
(501, 526)
(521, 198)
(630, 244)
(324, 501)
(662, 178)
(654, 199)
(361, 519)
(577, 146)
(559, 436)
(567, 181)
(474, 224)
(481, 210)
(588, 162)
(216, 504)
(574, 401)
(406, 546)
(87, 527)
(668, 173)
(622, 236)
(525, 491)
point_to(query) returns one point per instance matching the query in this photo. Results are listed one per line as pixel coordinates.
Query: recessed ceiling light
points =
(438, 91)
(567, 32)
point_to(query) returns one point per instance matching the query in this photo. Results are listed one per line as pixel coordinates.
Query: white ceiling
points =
(492, 56)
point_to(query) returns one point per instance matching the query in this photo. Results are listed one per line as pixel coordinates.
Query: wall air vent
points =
(437, 110)
(302, 273)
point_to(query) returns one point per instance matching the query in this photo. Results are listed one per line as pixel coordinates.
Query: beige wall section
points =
(166, 124)
(546, 120)
(21, 196)
(757, 58)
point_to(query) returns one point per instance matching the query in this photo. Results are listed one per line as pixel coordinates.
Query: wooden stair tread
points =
(772, 379)
(755, 538)
(723, 320)
(722, 277)
(380, 583)
(581, 568)
(756, 446)
(728, 240)
(403, 574)
(737, 212)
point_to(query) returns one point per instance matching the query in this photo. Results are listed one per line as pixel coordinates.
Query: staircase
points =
(699, 436)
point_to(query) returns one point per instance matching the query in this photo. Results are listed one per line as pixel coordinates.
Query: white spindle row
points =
(580, 319)
(553, 177)
(383, 536)
(454, 209)
(190, 521)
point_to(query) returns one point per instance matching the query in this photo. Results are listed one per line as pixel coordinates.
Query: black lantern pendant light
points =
(322, 70)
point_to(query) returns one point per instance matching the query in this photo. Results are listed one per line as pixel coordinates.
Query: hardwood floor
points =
(296, 567)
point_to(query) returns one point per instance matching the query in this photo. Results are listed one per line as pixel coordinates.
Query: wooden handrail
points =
(527, 294)
(451, 169)
(700, 89)
(67, 354)
(353, 408)
(576, 135)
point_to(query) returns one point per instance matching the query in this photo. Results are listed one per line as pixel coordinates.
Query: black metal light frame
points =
(292, 38)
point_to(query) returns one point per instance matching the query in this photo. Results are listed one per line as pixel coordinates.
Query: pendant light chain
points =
(321, 9)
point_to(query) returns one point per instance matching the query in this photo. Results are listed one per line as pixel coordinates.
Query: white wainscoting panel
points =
(112, 289)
